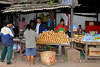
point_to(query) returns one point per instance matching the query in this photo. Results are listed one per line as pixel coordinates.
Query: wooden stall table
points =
(60, 46)
(53, 44)
(87, 44)
(18, 41)
(79, 48)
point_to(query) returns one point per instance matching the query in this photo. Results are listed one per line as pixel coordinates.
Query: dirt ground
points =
(18, 62)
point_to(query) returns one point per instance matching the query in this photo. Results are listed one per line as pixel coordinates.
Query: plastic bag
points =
(15, 47)
(19, 47)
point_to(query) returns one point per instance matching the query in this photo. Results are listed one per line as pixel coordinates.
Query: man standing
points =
(7, 42)
(39, 27)
(22, 24)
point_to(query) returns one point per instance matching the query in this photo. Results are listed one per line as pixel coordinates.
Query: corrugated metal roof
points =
(21, 1)
(6, 2)
(33, 7)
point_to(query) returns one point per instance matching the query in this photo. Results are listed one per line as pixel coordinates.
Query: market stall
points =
(91, 49)
(91, 44)
(18, 47)
(17, 9)
(30, 7)
(50, 38)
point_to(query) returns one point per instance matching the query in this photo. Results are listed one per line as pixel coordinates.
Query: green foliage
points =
(51, 2)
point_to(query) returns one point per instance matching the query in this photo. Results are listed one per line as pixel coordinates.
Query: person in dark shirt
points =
(39, 28)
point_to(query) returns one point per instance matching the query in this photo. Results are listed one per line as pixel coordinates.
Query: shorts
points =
(30, 51)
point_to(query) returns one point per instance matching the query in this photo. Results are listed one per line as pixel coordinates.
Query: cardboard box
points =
(94, 51)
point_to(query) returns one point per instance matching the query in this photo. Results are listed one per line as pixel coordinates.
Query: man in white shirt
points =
(39, 27)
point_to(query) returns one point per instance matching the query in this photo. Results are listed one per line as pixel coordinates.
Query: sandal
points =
(27, 64)
(9, 63)
(33, 64)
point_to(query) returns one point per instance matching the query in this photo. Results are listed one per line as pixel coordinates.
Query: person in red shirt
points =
(61, 26)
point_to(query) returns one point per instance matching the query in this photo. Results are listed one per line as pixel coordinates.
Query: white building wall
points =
(80, 20)
(61, 15)
(30, 16)
(77, 20)
(99, 17)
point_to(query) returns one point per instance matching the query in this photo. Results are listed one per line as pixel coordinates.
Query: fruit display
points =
(76, 35)
(51, 37)
(76, 39)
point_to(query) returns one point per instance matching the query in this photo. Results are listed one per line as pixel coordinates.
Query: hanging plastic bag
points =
(54, 23)
(15, 47)
(19, 48)
(48, 22)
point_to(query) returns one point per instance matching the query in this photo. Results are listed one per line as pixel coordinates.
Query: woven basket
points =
(48, 57)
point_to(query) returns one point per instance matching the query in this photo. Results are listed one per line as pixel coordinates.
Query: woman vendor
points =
(61, 26)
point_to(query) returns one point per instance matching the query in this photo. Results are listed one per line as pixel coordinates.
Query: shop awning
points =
(33, 7)
(5, 2)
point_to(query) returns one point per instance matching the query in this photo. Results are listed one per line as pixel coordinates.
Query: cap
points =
(8, 22)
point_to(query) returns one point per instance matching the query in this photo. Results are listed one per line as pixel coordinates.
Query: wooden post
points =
(97, 17)
(51, 20)
(71, 23)
(60, 50)
(86, 51)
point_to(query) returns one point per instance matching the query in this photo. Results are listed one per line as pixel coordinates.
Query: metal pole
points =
(71, 20)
